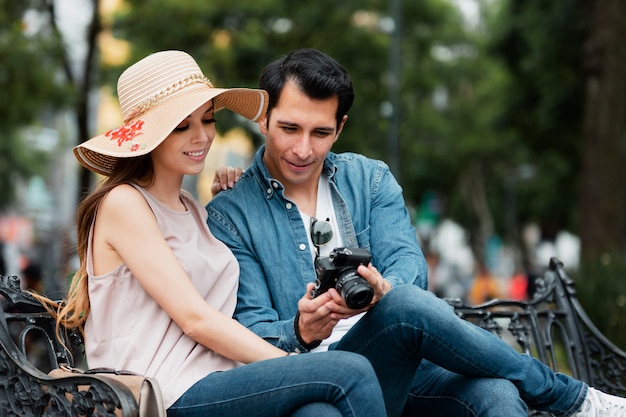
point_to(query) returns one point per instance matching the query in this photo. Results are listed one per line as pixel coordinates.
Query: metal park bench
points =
(25, 389)
(552, 327)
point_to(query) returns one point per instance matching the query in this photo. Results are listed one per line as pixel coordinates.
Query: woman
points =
(155, 290)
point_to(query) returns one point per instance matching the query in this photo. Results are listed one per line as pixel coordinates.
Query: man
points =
(299, 201)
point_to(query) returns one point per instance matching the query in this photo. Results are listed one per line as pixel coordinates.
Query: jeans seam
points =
(270, 391)
(445, 397)
(579, 402)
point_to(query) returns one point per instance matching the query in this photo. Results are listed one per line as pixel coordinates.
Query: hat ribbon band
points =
(155, 99)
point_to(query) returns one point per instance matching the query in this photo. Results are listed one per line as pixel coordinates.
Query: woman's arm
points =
(126, 231)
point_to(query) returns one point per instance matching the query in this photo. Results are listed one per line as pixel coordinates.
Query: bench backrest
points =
(28, 321)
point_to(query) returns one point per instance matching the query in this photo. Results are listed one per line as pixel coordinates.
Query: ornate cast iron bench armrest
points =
(28, 390)
(554, 328)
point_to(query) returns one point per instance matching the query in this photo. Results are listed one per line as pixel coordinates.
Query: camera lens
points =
(355, 290)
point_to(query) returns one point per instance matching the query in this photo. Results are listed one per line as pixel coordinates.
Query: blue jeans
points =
(324, 384)
(431, 362)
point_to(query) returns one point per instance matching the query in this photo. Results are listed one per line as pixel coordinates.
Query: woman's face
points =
(185, 149)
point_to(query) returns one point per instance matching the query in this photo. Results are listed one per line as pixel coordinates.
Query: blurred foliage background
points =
(513, 115)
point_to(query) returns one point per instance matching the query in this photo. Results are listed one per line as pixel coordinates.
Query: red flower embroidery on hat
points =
(126, 133)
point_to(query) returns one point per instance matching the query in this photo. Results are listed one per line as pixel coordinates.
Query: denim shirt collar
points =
(271, 186)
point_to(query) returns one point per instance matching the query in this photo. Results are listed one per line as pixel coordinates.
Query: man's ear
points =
(263, 125)
(342, 124)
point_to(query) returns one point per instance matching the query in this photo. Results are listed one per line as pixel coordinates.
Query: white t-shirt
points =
(325, 211)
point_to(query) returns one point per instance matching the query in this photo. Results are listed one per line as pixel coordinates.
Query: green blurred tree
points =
(540, 43)
(30, 38)
(603, 193)
(602, 276)
(452, 104)
(30, 56)
(567, 102)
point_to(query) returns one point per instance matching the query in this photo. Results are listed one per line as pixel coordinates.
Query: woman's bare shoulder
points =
(124, 201)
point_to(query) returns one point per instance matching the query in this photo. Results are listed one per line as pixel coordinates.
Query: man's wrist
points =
(296, 329)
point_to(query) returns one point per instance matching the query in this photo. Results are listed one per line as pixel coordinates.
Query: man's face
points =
(299, 134)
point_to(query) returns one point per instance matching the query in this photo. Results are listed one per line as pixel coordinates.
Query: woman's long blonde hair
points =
(73, 311)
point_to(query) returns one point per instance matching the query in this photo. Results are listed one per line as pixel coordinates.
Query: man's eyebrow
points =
(285, 123)
(321, 129)
(325, 129)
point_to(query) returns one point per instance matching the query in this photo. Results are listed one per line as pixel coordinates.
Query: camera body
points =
(338, 271)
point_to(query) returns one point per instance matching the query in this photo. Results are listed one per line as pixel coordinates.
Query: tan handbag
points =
(145, 389)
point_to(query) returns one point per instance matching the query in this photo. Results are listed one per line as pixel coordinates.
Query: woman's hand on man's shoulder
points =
(225, 178)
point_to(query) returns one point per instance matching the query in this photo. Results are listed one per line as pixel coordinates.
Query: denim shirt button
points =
(302, 246)
(274, 184)
(289, 206)
(269, 191)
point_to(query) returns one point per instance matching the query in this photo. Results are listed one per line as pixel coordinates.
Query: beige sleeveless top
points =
(127, 329)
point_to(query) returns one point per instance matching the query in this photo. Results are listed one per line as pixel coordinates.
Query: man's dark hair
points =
(316, 74)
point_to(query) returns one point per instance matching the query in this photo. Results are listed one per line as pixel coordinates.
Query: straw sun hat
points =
(155, 95)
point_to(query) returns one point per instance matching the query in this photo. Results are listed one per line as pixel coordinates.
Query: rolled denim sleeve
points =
(396, 250)
(382, 222)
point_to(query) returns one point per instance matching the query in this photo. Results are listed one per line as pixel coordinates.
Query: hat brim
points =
(142, 134)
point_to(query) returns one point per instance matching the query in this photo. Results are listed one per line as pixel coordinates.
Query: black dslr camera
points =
(338, 271)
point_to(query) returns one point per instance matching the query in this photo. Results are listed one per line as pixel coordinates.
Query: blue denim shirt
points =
(267, 235)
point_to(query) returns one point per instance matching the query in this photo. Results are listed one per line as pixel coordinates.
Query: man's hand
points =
(225, 178)
(376, 280)
(319, 315)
